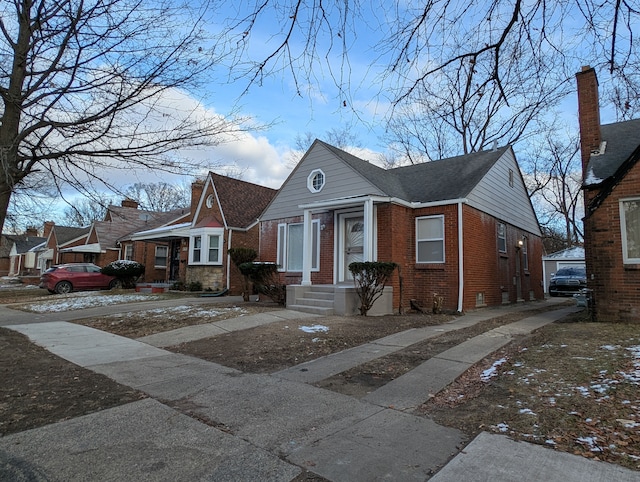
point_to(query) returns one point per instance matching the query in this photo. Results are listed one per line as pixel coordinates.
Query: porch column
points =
(367, 254)
(307, 249)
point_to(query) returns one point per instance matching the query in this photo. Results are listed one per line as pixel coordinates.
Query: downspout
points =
(228, 261)
(460, 260)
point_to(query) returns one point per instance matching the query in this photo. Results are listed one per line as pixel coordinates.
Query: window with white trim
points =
(315, 181)
(630, 230)
(160, 260)
(502, 238)
(289, 257)
(205, 246)
(525, 253)
(430, 239)
(128, 252)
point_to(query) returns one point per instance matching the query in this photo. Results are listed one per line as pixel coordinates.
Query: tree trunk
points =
(5, 197)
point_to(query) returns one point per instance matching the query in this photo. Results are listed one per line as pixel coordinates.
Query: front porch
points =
(338, 299)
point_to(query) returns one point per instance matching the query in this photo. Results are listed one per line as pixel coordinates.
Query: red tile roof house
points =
(225, 215)
(611, 183)
(463, 228)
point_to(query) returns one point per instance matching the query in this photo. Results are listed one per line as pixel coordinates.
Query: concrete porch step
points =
(314, 302)
(316, 310)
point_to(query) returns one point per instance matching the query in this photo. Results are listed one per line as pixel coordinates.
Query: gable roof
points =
(573, 253)
(65, 234)
(241, 202)
(622, 144)
(122, 221)
(455, 176)
(22, 243)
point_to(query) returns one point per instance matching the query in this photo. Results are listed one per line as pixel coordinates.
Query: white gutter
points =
(460, 259)
(229, 261)
(362, 199)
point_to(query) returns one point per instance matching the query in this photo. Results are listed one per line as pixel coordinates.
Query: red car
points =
(66, 278)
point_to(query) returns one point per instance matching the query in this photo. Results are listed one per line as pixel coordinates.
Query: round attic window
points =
(209, 201)
(315, 181)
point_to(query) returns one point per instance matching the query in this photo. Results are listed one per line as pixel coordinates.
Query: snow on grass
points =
(183, 311)
(314, 329)
(491, 372)
(83, 301)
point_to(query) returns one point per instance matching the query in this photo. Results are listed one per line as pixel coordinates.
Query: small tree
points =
(242, 255)
(370, 279)
(266, 280)
(124, 270)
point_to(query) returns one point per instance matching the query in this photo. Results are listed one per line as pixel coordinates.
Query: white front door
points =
(351, 243)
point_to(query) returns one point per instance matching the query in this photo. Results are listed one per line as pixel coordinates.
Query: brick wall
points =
(616, 286)
(485, 270)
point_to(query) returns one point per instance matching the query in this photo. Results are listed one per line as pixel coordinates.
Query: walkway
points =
(261, 427)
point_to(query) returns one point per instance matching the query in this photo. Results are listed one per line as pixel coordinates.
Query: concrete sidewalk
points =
(266, 427)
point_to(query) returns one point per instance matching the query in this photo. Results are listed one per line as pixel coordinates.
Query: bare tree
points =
(422, 41)
(90, 86)
(160, 196)
(83, 212)
(554, 183)
(341, 137)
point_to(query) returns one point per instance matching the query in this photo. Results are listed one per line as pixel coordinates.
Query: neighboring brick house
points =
(58, 237)
(102, 244)
(462, 228)
(18, 255)
(611, 183)
(224, 215)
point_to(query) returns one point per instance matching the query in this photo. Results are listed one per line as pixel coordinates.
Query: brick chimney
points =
(196, 193)
(48, 226)
(129, 203)
(32, 232)
(588, 114)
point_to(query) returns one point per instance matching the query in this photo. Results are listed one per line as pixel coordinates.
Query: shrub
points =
(240, 256)
(128, 272)
(266, 280)
(370, 278)
(194, 286)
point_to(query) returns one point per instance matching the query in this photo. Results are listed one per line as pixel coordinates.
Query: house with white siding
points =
(461, 228)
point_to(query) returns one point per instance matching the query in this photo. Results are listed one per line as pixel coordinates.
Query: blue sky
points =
(264, 156)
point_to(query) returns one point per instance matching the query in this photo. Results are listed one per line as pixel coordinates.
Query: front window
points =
(525, 254)
(630, 227)
(430, 239)
(128, 252)
(196, 248)
(161, 257)
(209, 240)
(290, 237)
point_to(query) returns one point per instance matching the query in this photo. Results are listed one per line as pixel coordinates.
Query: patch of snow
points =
(503, 427)
(314, 329)
(550, 442)
(591, 178)
(591, 442)
(527, 411)
(610, 347)
(486, 375)
(86, 301)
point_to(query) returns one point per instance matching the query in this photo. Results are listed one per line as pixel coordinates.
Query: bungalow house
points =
(101, 245)
(611, 183)
(461, 228)
(57, 238)
(225, 214)
(19, 249)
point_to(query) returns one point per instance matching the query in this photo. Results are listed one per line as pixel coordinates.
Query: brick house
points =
(463, 228)
(611, 183)
(57, 238)
(18, 253)
(225, 214)
(103, 242)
